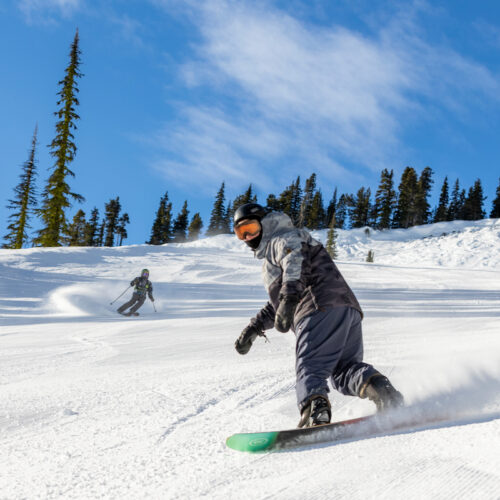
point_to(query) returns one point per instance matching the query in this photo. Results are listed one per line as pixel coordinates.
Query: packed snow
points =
(96, 405)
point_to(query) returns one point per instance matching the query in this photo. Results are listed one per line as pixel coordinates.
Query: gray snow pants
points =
(330, 346)
(134, 303)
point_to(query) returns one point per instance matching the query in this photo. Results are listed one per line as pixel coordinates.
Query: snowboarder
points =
(142, 287)
(309, 295)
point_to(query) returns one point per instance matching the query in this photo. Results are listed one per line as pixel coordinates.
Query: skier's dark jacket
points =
(297, 264)
(142, 286)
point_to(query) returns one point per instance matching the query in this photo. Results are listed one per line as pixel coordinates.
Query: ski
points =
(363, 427)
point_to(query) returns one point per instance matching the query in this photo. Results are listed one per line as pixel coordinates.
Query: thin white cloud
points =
(301, 96)
(42, 11)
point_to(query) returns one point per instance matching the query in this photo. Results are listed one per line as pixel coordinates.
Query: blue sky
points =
(179, 96)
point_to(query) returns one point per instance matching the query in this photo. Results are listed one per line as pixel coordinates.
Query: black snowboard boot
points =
(379, 390)
(316, 412)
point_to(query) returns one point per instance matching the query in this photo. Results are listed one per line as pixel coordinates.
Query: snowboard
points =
(357, 428)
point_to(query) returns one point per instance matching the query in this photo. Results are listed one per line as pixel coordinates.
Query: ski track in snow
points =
(95, 405)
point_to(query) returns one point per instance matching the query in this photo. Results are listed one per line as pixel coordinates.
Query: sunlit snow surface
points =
(95, 405)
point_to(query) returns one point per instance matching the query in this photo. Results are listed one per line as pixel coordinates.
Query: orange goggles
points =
(247, 227)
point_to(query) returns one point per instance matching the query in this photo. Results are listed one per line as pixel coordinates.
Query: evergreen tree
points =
(272, 203)
(455, 208)
(228, 219)
(361, 208)
(57, 193)
(332, 206)
(75, 234)
(161, 232)
(290, 201)
(473, 205)
(112, 215)
(385, 200)
(92, 229)
(121, 230)
(24, 201)
(247, 197)
(100, 235)
(218, 217)
(307, 199)
(495, 209)
(405, 213)
(331, 239)
(317, 214)
(341, 211)
(194, 228)
(442, 208)
(181, 224)
(422, 207)
(296, 201)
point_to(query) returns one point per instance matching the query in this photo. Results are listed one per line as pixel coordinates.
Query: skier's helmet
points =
(249, 211)
(145, 273)
(247, 221)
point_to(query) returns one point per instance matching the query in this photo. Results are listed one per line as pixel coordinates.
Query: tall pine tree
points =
(161, 232)
(218, 218)
(385, 200)
(307, 199)
(317, 214)
(24, 201)
(473, 205)
(75, 233)
(332, 207)
(495, 209)
(341, 212)
(112, 211)
(290, 201)
(247, 197)
(361, 208)
(422, 207)
(181, 224)
(57, 193)
(441, 214)
(121, 231)
(92, 229)
(405, 213)
(195, 227)
(456, 206)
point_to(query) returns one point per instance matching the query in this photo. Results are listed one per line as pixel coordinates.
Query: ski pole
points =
(154, 307)
(111, 303)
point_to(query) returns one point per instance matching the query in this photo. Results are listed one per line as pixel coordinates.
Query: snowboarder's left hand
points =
(285, 313)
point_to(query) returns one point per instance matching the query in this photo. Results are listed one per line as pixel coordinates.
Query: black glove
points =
(246, 338)
(286, 310)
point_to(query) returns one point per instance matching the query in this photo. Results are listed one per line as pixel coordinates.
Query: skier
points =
(309, 295)
(142, 287)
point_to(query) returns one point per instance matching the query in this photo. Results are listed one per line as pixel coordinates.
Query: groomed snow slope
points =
(95, 405)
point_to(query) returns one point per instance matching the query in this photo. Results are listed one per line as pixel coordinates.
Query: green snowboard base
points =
(275, 440)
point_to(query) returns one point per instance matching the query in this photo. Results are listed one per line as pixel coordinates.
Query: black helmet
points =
(145, 273)
(249, 211)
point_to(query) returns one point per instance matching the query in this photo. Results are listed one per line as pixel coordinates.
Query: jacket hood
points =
(273, 224)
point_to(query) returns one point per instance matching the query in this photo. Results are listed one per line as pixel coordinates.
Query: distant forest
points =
(390, 206)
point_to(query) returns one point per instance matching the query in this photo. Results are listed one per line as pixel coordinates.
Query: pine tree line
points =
(402, 207)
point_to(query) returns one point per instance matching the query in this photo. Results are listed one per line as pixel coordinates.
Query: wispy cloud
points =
(288, 96)
(43, 11)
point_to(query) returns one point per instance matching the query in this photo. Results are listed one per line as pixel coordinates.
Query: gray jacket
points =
(142, 287)
(297, 264)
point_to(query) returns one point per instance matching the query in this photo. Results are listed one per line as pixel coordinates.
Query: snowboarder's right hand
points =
(246, 338)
